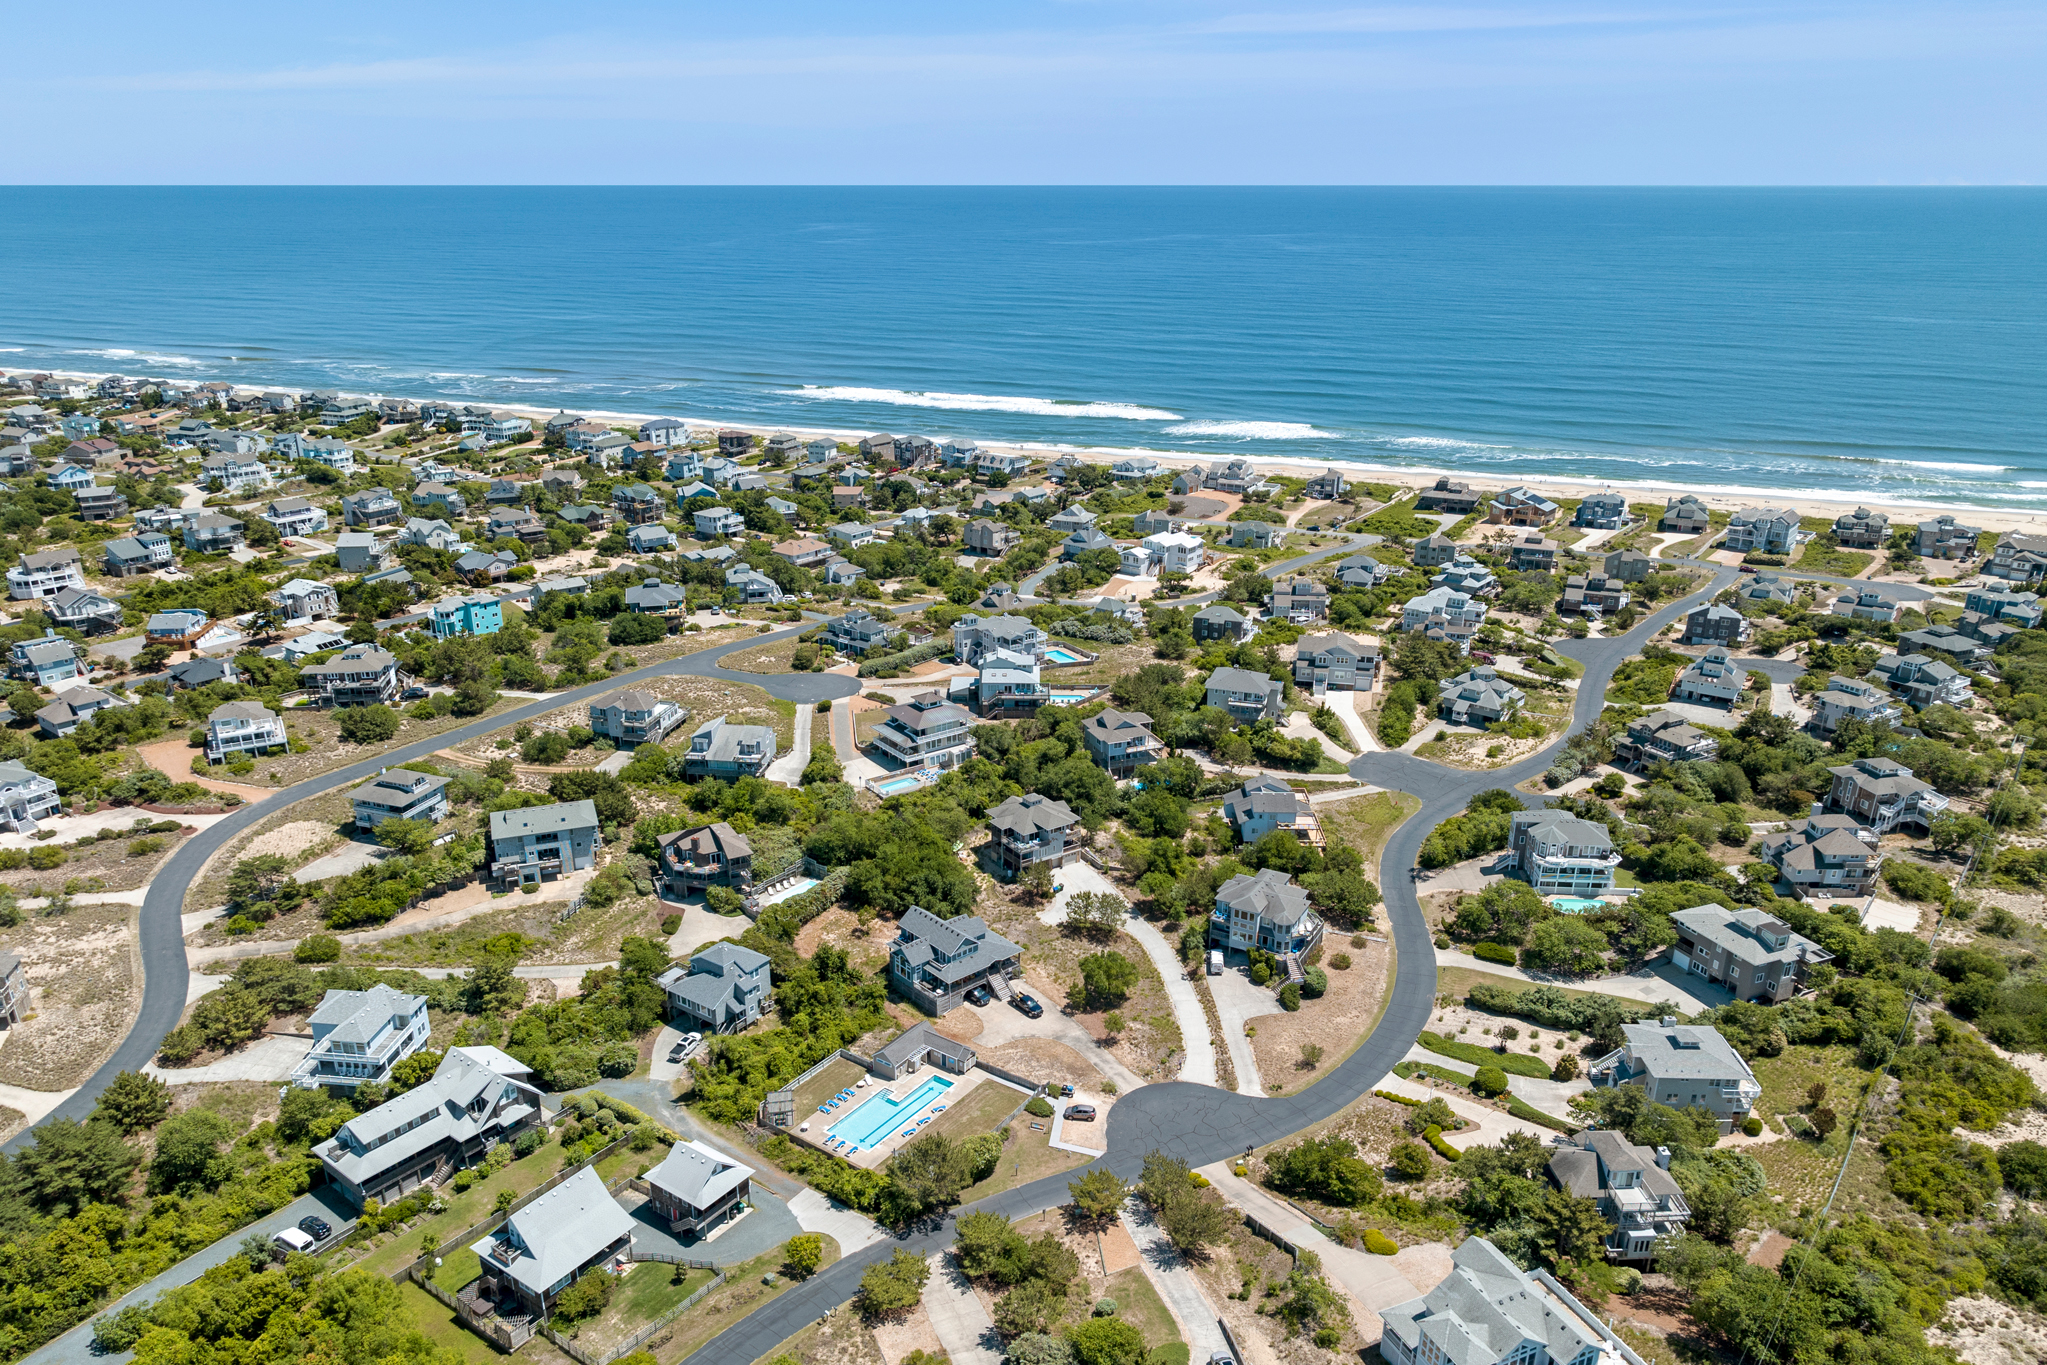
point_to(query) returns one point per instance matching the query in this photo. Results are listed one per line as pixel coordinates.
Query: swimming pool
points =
(873, 1121)
(896, 786)
(1067, 698)
(1576, 905)
(1056, 655)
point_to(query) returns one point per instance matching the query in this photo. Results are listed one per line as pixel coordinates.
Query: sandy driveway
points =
(173, 758)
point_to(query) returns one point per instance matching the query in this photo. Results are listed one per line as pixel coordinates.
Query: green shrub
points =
(1483, 1056)
(317, 948)
(1290, 997)
(1407, 1100)
(1489, 1082)
(1410, 1160)
(1379, 1244)
(670, 923)
(1341, 962)
(1495, 952)
(1434, 1137)
(1039, 1107)
(1752, 1126)
(1315, 982)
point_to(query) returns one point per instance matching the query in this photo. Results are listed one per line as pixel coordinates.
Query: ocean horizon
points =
(1881, 344)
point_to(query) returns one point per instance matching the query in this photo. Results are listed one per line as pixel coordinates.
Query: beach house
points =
(926, 732)
(359, 1036)
(1120, 742)
(697, 1188)
(1754, 954)
(1247, 696)
(722, 750)
(1263, 910)
(1632, 1186)
(539, 843)
(1558, 853)
(476, 1098)
(1682, 1066)
(400, 794)
(935, 962)
(1489, 1311)
(723, 989)
(1029, 829)
(242, 727)
(708, 855)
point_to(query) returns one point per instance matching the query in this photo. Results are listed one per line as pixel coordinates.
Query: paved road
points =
(1201, 1124)
(165, 975)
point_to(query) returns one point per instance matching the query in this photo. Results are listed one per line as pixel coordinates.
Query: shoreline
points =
(1412, 478)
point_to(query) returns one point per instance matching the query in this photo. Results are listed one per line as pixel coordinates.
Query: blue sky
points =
(1084, 92)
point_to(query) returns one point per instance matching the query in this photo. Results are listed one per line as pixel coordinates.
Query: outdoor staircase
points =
(998, 982)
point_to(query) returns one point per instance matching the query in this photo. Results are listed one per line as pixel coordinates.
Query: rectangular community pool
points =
(1576, 905)
(874, 1120)
(896, 786)
(1067, 698)
(1056, 655)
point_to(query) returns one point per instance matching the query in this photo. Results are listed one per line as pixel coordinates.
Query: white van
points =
(290, 1240)
(1215, 962)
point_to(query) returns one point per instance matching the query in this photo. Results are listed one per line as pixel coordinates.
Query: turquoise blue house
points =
(478, 615)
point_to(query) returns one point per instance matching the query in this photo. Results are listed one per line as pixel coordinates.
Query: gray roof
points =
(725, 740)
(923, 938)
(1270, 892)
(242, 710)
(1747, 932)
(1031, 814)
(558, 818)
(1557, 828)
(358, 1016)
(1241, 680)
(1576, 1169)
(380, 1140)
(1693, 1052)
(698, 1175)
(549, 1240)
(50, 559)
(717, 837)
(1111, 724)
(402, 786)
(919, 1039)
(1487, 1308)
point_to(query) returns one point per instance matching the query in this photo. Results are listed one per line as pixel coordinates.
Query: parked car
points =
(1028, 1004)
(315, 1228)
(980, 995)
(1479, 656)
(289, 1240)
(1215, 962)
(1744, 568)
(685, 1045)
(1080, 1113)
(414, 693)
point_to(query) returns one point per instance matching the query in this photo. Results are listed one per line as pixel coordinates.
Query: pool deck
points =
(870, 1158)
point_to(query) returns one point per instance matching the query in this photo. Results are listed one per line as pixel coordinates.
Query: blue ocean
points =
(1858, 343)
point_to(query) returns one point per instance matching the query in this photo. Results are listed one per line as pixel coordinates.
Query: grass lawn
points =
(1458, 981)
(1800, 1169)
(458, 1268)
(1027, 1156)
(741, 1294)
(980, 1112)
(400, 1246)
(825, 1084)
(1841, 563)
(648, 1291)
(1138, 1304)
(444, 1329)
(1367, 822)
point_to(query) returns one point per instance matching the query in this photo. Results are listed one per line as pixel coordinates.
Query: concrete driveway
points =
(269, 1058)
(1654, 983)
(1237, 1001)
(850, 1229)
(1170, 1274)
(1002, 1023)
(1199, 1064)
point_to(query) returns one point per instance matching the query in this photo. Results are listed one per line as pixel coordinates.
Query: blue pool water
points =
(896, 786)
(1068, 698)
(1577, 905)
(1056, 655)
(872, 1121)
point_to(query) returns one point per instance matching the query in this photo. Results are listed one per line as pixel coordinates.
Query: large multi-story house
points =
(1770, 589)
(1008, 685)
(1714, 624)
(1945, 641)
(538, 843)
(47, 661)
(730, 752)
(44, 574)
(1762, 530)
(1712, 679)
(1120, 742)
(634, 716)
(697, 1188)
(1449, 495)
(1754, 955)
(973, 636)
(935, 962)
(1682, 1066)
(1328, 485)
(243, 727)
(1465, 574)
(140, 553)
(1173, 552)
(1633, 1187)
(371, 507)
(986, 537)
(1943, 537)
(360, 675)
(1491, 1312)
(307, 599)
(400, 794)
(1851, 698)
(1219, 622)
(1029, 829)
(1519, 506)
(1629, 566)
(1592, 595)
(82, 609)
(1533, 552)
(1866, 604)
(1255, 535)
(1827, 856)
(1266, 803)
(294, 516)
(1602, 511)
(26, 797)
(1446, 605)
(724, 989)
(359, 1036)
(2021, 609)
(1663, 737)
(431, 533)
(709, 855)
(477, 1098)
(858, 632)
(1264, 910)
(1862, 529)
(210, 533)
(1332, 659)
(100, 504)
(1478, 696)
(926, 732)
(1435, 549)
(474, 615)
(1685, 513)
(1247, 696)
(1922, 682)
(805, 552)
(546, 1246)
(1883, 794)
(1299, 601)
(235, 474)
(2018, 556)
(1561, 854)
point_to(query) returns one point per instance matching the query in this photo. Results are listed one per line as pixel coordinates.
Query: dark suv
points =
(980, 995)
(315, 1228)
(1029, 1005)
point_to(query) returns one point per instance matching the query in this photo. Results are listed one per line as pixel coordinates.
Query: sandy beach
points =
(1901, 511)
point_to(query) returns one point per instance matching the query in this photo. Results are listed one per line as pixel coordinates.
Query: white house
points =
(718, 521)
(359, 1036)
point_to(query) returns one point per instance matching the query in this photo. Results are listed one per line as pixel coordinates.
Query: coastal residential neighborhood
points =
(565, 885)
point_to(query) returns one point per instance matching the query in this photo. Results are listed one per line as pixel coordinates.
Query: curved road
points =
(1200, 1124)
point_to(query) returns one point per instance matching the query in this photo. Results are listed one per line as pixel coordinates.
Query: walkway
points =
(1551, 1097)
(1170, 1274)
(1199, 1065)
(1654, 983)
(963, 1325)
(788, 769)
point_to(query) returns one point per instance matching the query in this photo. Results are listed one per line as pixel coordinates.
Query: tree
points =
(802, 1255)
(414, 1071)
(1572, 1226)
(1106, 1341)
(1036, 882)
(1566, 944)
(133, 1102)
(931, 1171)
(188, 1152)
(492, 988)
(258, 881)
(1098, 1194)
(894, 1286)
(1106, 979)
(366, 724)
(1038, 1348)
(1096, 913)
(1410, 1160)
(586, 1298)
(1193, 1224)
(1112, 1025)
(412, 837)
(632, 628)
(985, 1243)
(1030, 1309)
(1328, 1169)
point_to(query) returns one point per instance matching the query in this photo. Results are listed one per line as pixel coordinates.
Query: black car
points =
(1080, 1113)
(979, 995)
(1029, 1005)
(316, 1228)
(413, 693)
